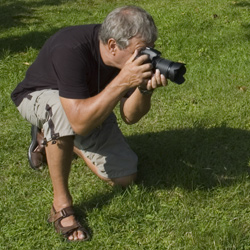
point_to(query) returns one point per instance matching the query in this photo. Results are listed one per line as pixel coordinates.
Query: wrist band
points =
(145, 91)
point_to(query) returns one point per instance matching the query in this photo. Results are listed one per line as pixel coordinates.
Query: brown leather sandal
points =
(36, 152)
(57, 217)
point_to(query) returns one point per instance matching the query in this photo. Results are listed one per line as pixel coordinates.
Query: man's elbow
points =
(130, 121)
(80, 130)
(134, 118)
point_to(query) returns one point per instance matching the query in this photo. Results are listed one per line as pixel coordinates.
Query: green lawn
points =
(193, 190)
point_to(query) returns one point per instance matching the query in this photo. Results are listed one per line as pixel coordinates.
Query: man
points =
(69, 93)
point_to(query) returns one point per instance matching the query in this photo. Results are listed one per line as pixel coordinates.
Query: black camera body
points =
(173, 71)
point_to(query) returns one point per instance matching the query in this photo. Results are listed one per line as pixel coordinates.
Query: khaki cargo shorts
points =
(105, 146)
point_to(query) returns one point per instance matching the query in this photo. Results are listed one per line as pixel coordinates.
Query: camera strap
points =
(99, 73)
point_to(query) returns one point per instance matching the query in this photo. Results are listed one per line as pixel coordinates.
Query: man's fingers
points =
(164, 80)
(140, 59)
(157, 80)
(133, 57)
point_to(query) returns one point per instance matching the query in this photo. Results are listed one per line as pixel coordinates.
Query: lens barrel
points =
(173, 71)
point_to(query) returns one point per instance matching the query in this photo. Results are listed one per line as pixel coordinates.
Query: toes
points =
(77, 235)
(81, 235)
(71, 237)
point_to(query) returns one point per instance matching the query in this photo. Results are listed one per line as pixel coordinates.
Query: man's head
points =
(124, 23)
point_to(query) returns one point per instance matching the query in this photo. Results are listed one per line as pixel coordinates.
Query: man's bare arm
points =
(86, 114)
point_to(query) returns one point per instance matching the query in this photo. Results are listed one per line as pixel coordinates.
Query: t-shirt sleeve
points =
(70, 68)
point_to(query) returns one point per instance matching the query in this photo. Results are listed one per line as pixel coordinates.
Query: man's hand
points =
(135, 71)
(157, 80)
(138, 73)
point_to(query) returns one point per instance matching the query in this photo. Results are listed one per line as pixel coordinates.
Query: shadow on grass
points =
(14, 13)
(21, 13)
(244, 4)
(16, 44)
(195, 158)
(96, 202)
(192, 159)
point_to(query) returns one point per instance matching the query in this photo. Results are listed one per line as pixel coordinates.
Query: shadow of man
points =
(197, 158)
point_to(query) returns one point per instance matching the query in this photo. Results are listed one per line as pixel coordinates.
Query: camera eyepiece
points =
(173, 71)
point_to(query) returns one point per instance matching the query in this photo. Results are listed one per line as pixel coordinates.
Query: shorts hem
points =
(48, 139)
(118, 175)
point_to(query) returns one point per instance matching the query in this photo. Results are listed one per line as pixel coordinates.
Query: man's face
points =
(123, 55)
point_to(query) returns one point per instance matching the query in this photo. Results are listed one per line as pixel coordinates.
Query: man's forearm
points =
(135, 107)
(86, 114)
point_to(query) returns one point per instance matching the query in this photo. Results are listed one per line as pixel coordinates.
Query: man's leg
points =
(124, 181)
(43, 109)
(107, 154)
(59, 157)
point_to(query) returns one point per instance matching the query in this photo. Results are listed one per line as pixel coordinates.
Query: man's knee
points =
(124, 181)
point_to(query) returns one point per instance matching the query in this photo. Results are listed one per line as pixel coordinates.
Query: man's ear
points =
(112, 46)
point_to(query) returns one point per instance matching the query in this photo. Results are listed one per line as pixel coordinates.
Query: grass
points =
(193, 188)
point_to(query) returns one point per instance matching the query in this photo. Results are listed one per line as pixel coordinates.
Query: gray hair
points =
(127, 22)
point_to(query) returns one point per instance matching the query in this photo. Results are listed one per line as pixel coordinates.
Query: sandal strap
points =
(65, 212)
(66, 231)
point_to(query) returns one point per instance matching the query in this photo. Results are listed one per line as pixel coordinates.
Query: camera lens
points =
(171, 70)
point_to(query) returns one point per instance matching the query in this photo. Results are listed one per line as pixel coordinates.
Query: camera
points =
(173, 71)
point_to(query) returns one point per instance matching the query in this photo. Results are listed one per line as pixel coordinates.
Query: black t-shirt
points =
(69, 61)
